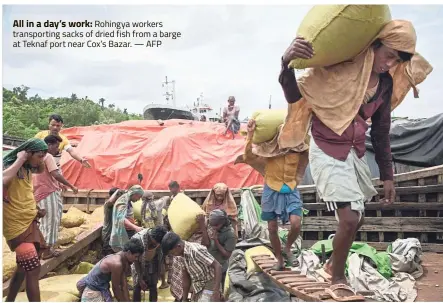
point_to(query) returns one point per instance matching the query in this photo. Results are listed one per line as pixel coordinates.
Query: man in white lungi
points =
(342, 98)
(48, 195)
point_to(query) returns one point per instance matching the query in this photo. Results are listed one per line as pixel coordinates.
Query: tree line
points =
(24, 116)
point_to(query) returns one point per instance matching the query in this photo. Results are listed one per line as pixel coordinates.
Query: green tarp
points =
(380, 259)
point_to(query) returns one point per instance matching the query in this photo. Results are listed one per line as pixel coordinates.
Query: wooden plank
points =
(82, 207)
(414, 175)
(440, 195)
(379, 206)
(391, 224)
(82, 240)
(381, 235)
(382, 246)
(195, 194)
(416, 190)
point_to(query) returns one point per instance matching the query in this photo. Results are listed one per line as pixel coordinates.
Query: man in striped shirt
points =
(201, 269)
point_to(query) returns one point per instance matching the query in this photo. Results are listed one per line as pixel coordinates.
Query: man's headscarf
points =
(228, 204)
(136, 189)
(32, 145)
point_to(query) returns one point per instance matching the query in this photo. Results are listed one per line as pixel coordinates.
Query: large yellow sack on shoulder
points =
(267, 122)
(258, 250)
(73, 218)
(340, 32)
(49, 296)
(182, 215)
(65, 284)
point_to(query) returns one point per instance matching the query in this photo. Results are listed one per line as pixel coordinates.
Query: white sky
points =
(224, 50)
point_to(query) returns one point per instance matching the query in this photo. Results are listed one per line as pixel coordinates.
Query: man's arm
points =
(53, 170)
(217, 279)
(288, 83)
(205, 237)
(113, 198)
(116, 281)
(227, 248)
(299, 48)
(186, 285)
(131, 226)
(380, 128)
(10, 172)
(77, 157)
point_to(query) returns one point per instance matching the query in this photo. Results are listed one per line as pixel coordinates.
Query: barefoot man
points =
(281, 198)
(343, 97)
(21, 215)
(48, 195)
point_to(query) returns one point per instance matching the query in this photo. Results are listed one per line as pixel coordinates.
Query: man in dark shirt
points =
(337, 162)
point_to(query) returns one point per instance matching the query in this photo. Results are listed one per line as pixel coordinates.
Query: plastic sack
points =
(63, 284)
(68, 235)
(182, 215)
(83, 268)
(73, 218)
(266, 124)
(340, 32)
(258, 250)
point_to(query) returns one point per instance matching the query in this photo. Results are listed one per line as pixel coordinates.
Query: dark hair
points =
(404, 56)
(52, 139)
(173, 184)
(134, 246)
(158, 232)
(169, 242)
(56, 117)
(113, 190)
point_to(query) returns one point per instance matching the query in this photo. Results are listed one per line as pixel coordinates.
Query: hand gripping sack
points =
(340, 32)
(182, 214)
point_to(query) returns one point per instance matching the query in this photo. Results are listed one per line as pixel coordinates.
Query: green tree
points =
(23, 117)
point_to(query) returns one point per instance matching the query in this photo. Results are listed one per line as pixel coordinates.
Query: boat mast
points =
(169, 94)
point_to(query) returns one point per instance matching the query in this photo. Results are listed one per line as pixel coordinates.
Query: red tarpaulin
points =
(196, 154)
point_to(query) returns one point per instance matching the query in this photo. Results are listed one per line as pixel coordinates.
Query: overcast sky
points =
(224, 50)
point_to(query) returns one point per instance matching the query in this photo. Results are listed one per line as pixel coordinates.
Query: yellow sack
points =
(68, 235)
(258, 250)
(83, 268)
(266, 124)
(340, 32)
(98, 215)
(227, 287)
(73, 218)
(182, 215)
(137, 206)
(49, 296)
(64, 284)
(164, 295)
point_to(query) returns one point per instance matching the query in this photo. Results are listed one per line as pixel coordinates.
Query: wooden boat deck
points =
(430, 285)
